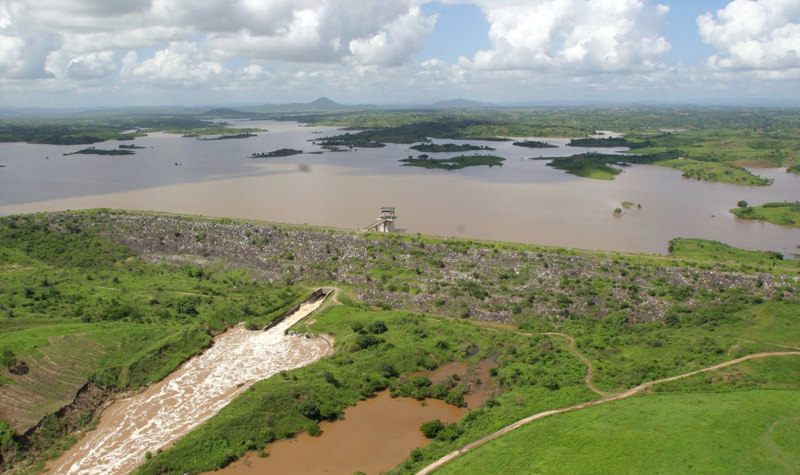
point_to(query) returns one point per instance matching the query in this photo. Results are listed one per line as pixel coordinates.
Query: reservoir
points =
(521, 201)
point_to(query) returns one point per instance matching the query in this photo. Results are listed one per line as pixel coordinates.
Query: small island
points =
(534, 144)
(724, 172)
(454, 163)
(243, 135)
(281, 152)
(786, 213)
(794, 169)
(130, 147)
(100, 151)
(448, 147)
(599, 142)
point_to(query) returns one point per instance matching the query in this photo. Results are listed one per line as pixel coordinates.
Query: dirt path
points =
(580, 356)
(644, 386)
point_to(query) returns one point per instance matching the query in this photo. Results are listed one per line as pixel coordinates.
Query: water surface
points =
(522, 201)
(374, 436)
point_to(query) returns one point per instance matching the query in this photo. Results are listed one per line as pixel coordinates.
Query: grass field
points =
(751, 431)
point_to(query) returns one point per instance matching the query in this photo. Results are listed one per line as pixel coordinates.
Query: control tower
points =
(385, 222)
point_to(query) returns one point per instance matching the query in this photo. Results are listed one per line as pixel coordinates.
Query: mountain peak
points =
(324, 102)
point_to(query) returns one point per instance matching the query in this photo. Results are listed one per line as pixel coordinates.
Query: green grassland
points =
(66, 279)
(786, 214)
(751, 431)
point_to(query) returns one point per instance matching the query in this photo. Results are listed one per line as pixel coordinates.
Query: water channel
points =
(165, 411)
(522, 201)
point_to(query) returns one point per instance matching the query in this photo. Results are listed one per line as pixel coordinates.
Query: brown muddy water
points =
(169, 409)
(522, 201)
(374, 436)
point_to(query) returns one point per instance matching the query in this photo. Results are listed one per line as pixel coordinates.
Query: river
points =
(165, 411)
(522, 201)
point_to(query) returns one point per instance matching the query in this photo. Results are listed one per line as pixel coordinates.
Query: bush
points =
(432, 428)
(364, 341)
(377, 327)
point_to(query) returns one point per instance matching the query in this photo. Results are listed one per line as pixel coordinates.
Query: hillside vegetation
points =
(142, 292)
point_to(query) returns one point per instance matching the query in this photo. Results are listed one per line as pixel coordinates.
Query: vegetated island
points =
(87, 306)
(599, 142)
(794, 169)
(281, 152)
(534, 144)
(347, 141)
(243, 135)
(448, 147)
(101, 151)
(454, 163)
(205, 132)
(598, 165)
(130, 147)
(724, 172)
(786, 214)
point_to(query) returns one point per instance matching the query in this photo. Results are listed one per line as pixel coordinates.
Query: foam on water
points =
(171, 408)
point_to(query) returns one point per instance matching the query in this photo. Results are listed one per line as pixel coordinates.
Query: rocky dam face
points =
(169, 409)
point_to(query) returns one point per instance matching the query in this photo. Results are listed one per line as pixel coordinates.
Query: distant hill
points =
(325, 103)
(459, 104)
(226, 113)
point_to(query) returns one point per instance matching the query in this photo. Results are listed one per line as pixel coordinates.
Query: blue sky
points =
(137, 52)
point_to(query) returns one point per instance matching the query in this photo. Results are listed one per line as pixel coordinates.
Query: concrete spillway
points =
(171, 408)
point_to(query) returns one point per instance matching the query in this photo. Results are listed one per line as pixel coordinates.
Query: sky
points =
(101, 53)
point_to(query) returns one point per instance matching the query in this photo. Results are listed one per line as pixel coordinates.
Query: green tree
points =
(8, 358)
(431, 428)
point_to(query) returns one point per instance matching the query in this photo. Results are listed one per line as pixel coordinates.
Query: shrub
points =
(432, 428)
(377, 327)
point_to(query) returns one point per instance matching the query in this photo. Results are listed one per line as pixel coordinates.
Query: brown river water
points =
(375, 435)
(522, 201)
(169, 409)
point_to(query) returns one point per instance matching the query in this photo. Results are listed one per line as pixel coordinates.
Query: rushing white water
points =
(171, 408)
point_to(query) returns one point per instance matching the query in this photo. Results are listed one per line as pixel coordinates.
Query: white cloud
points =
(573, 35)
(11, 53)
(180, 64)
(92, 66)
(395, 43)
(756, 35)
